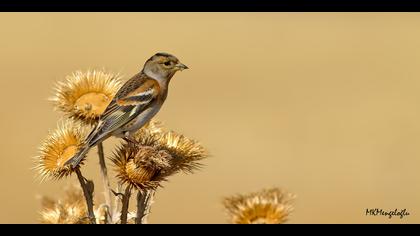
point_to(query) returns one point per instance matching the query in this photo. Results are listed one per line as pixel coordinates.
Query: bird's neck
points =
(163, 81)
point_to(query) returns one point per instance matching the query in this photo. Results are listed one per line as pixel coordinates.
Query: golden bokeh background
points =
(325, 105)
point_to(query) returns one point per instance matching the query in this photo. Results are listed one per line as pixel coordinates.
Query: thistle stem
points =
(87, 187)
(117, 204)
(105, 179)
(125, 203)
(144, 203)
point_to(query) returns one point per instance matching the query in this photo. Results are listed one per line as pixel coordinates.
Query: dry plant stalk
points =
(87, 187)
(105, 179)
(125, 204)
(142, 164)
(144, 203)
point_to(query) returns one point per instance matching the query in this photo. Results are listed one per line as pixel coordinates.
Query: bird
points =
(134, 104)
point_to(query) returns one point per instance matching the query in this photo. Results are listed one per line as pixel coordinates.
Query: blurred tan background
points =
(325, 105)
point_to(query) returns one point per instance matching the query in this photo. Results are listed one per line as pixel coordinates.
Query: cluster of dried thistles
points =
(141, 164)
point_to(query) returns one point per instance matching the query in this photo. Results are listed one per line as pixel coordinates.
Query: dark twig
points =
(125, 203)
(87, 187)
(144, 203)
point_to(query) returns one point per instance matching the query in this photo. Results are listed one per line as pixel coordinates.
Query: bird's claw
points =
(129, 140)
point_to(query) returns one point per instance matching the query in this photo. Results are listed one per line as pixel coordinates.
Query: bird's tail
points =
(75, 160)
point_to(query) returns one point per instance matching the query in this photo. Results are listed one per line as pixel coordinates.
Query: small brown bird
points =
(135, 103)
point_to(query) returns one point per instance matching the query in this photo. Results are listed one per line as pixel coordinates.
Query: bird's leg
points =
(128, 138)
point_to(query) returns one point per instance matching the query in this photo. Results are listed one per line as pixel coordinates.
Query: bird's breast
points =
(142, 119)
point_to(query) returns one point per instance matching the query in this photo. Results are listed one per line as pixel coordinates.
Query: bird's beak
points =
(181, 66)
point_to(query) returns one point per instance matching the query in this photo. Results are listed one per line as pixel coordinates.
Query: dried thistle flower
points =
(85, 95)
(153, 157)
(186, 153)
(70, 210)
(271, 206)
(140, 166)
(59, 147)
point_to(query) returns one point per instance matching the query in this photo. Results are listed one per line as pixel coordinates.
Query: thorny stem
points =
(87, 187)
(144, 203)
(105, 179)
(125, 203)
(117, 203)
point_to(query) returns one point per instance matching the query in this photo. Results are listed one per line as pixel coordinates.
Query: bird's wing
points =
(133, 98)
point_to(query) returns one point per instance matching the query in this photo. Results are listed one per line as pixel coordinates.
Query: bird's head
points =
(163, 66)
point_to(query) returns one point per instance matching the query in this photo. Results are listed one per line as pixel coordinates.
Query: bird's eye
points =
(168, 63)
